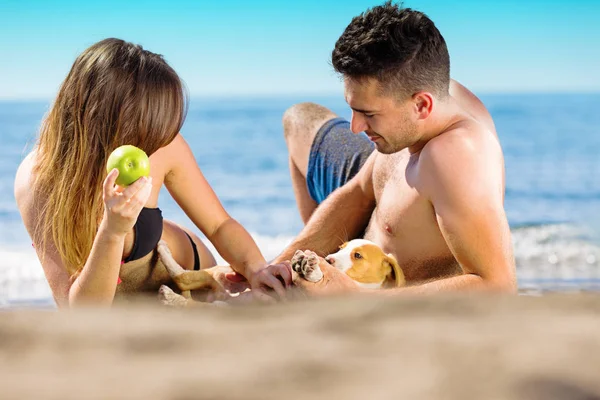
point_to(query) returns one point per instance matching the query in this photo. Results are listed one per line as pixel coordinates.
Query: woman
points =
(93, 238)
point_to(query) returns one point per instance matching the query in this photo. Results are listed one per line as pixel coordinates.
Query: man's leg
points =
(301, 122)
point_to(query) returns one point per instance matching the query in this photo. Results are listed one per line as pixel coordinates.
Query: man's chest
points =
(400, 204)
(404, 221)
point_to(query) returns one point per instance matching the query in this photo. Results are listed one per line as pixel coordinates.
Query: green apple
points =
(132, 163)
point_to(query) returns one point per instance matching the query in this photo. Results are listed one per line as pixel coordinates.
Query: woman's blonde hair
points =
(116, 93)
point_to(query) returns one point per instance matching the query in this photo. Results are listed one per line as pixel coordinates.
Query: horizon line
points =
(260, 95)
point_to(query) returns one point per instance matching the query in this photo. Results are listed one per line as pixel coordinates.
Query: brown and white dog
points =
(187, 281)
(360, 259)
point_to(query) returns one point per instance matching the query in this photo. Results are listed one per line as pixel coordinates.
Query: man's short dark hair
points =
(399, 47)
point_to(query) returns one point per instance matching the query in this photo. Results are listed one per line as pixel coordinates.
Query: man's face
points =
(388, 121)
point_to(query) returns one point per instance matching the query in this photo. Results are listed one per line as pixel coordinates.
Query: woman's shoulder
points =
(172, 155)
(174, 147)
(27, 203)
(23, 179)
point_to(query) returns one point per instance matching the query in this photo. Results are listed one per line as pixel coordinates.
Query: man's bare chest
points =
(400, 204)
(404, 221)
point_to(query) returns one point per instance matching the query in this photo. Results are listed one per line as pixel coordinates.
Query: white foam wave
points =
(557, 257)
(270, 246)
(22, 280)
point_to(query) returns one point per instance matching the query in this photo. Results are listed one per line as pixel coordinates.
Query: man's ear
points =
(423, 104)
(395, 277)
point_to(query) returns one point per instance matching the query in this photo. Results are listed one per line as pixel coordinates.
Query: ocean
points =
(551, 144)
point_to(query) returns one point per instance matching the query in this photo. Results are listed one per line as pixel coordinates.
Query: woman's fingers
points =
(235, 277)
(122, 206)
(140, 197)
(109, 182)
(284, 271)
(134, 196)
(272, 282)
(131, 190)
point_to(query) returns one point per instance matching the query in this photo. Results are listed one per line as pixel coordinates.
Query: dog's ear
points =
(343, 245)
(396, 277)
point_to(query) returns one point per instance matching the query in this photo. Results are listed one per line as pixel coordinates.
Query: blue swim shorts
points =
(336, 155)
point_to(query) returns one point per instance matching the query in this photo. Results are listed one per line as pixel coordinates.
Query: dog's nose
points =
(330, 260)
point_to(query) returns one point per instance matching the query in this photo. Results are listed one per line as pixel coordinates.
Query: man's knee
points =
(303, 120)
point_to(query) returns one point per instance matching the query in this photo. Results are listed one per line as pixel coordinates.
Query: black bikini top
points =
(148, 231)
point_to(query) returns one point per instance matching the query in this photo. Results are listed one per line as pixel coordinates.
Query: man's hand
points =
(334, 281)
(276, 277)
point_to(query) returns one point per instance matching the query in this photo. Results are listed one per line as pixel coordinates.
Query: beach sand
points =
(449, 347)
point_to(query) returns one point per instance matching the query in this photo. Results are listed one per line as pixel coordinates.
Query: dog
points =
(360, 259)
(187, 281)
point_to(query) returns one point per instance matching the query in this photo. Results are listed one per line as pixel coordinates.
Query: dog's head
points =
(365, 262)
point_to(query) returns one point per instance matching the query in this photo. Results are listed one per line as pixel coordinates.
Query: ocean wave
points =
(548, 257)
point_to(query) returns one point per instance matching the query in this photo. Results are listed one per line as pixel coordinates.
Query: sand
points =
(449, 347)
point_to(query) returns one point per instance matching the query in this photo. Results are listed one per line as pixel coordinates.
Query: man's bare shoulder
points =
(467, 138)
(472, 105)
(466, 152)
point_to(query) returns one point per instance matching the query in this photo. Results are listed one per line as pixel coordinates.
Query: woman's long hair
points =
(116, 93)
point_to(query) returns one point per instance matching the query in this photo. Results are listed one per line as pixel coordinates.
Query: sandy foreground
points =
(465, 347)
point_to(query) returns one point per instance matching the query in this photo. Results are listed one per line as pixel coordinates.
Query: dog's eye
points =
(357, 255)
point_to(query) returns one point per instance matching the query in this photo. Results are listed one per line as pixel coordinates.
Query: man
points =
(431, 193)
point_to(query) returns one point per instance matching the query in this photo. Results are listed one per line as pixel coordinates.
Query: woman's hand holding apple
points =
(122, 207)
(128, 167)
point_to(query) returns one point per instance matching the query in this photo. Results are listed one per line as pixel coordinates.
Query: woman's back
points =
(90, 234)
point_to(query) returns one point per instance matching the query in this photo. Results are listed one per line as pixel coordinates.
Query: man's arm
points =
(453, 284)
(463, 175)
(341, 217)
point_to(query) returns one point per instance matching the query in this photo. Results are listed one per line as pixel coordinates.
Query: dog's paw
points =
(306, 264)
(297, 260)
(169, 298)
(312, 271)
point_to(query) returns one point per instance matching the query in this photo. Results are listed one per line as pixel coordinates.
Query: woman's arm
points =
(97, 281)
(192, 192)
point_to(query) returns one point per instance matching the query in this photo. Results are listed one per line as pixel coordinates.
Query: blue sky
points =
(262, 47)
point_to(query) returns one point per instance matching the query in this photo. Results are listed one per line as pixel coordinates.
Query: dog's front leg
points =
(184, 279)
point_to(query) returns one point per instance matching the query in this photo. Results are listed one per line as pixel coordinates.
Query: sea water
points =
(551, 144)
